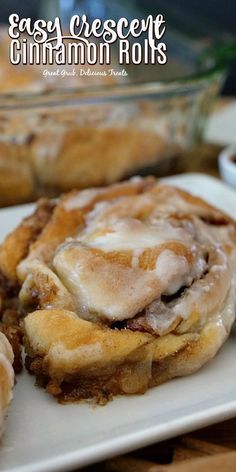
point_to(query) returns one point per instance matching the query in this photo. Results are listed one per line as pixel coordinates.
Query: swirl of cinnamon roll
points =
(132, 284)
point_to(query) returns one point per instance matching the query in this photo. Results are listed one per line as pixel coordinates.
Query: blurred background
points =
(57, 134)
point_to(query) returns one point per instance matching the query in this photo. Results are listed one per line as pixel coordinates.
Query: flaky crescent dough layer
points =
(72, 351)
(126, 286)
(6, 376)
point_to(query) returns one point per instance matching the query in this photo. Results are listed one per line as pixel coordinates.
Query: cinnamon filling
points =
(100, 388)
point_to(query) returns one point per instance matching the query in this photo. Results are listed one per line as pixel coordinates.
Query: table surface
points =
(213, 448)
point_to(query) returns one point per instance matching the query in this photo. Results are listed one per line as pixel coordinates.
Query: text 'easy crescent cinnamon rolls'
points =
(121, 288)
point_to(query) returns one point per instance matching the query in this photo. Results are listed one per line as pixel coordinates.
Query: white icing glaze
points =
(208, 293)
(171, 270)
(115, 291)
(111, 290)
(81, 199)
(135, 257)
(160, 317)
(85, 197)
(132, 234)
(204, 297)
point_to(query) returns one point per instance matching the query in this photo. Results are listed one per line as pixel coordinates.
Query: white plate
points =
(44, 436)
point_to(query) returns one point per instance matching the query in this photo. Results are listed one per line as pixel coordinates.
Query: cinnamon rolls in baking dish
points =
(121, 288)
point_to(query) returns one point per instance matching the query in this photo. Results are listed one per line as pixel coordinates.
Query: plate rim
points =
(129, 442)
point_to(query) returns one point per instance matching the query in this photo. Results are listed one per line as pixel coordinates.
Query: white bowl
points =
(227, 167)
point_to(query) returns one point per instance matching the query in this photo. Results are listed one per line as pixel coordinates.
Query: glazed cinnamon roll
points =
(126, 287)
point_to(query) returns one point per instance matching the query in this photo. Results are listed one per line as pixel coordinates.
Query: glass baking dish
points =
(54, 137)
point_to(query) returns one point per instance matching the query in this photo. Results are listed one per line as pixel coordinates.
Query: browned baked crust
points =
(132, 284)
(129, 362)
(17, 243)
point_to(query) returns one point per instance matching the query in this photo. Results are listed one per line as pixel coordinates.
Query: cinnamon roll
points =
(125, 288)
